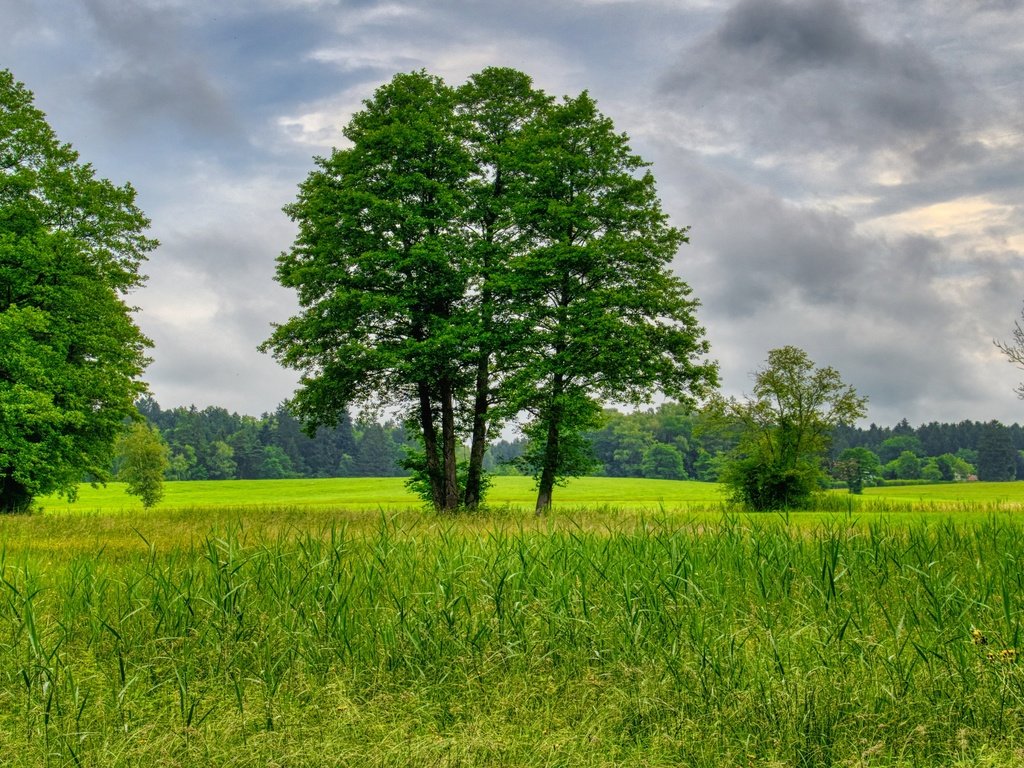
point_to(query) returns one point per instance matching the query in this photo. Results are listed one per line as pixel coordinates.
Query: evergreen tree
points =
(376, 453)
(997, 459)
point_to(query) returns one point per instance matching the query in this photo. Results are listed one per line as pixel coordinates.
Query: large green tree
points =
(786, 426)
(603, 315)
(497, 104)
(71, 246)
(476, 254)
(381, 269)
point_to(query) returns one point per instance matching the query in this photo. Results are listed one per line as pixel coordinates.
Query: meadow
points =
(390, 494)
(656, 627)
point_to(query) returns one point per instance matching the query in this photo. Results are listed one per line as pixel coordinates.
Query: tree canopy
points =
(142, 461)
(785, 427)
(480, 253)
(71, 246)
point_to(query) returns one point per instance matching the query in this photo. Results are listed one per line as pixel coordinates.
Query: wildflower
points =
(977, 637)
(1005, 656)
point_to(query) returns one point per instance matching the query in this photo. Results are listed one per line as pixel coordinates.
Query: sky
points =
(852, 171)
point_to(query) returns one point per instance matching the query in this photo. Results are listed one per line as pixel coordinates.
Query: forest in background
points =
(669, 442)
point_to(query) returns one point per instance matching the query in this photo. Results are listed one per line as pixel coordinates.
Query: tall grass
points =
(737, 641)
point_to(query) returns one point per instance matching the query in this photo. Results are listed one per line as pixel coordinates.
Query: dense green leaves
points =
(786, 427)
(478, 254)
(380, 268)
(606, 317)
(143, 459)
(70, 354)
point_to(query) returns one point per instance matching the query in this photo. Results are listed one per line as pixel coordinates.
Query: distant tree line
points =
(215, 444)
(677, 443)
(671, 442)
(936, 451)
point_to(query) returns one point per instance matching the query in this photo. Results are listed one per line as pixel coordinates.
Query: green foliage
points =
(953, 467)
(557, 447)
(892, 447)
(997, 459)
(380, 266)
(906, 466)
(606, 318)
(480, 253)
(764, 485)
(376, 455)
(664, 462)
(857, 467)
(71, 246)
(142, 462)
(786, 426)
(621, 444)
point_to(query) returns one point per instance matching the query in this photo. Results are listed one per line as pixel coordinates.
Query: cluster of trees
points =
(478, 253)
(214, 444)
(934, 452)
(677, 442)
(670, 442)
(474, 254)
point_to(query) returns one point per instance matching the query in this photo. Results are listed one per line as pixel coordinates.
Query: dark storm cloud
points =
(807, 74)
(151, 74)
(903, 317)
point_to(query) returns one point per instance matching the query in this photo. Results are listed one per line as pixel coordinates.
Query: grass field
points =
(376, 493)
(287, 626)
(518, 493)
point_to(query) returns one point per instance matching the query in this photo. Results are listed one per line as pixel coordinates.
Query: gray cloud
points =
(850, 169)
(151, 75)
(907, 319)
(798, 75)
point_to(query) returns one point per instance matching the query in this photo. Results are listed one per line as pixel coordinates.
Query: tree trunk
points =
(14, 497)
(552, 455)
(474, 477)
(549, 469)
(448, 457)
(430, 446)
(475, 474)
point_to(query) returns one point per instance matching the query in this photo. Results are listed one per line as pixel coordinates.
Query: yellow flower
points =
(977, 637)
(1006, 656)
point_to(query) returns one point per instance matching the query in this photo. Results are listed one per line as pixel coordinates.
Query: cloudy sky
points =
(852, 170)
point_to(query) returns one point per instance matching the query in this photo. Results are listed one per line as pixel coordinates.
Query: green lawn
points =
(518, 494)
(971, 493)
(390, 494)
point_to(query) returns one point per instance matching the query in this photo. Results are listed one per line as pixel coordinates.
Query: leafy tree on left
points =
(71, 246)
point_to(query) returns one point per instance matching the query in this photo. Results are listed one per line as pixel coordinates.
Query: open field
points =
(390, 494)
(969, 493)
(322, 634)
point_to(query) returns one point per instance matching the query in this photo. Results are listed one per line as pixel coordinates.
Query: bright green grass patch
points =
(970, 493)
(375, 493)
(597, 496)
